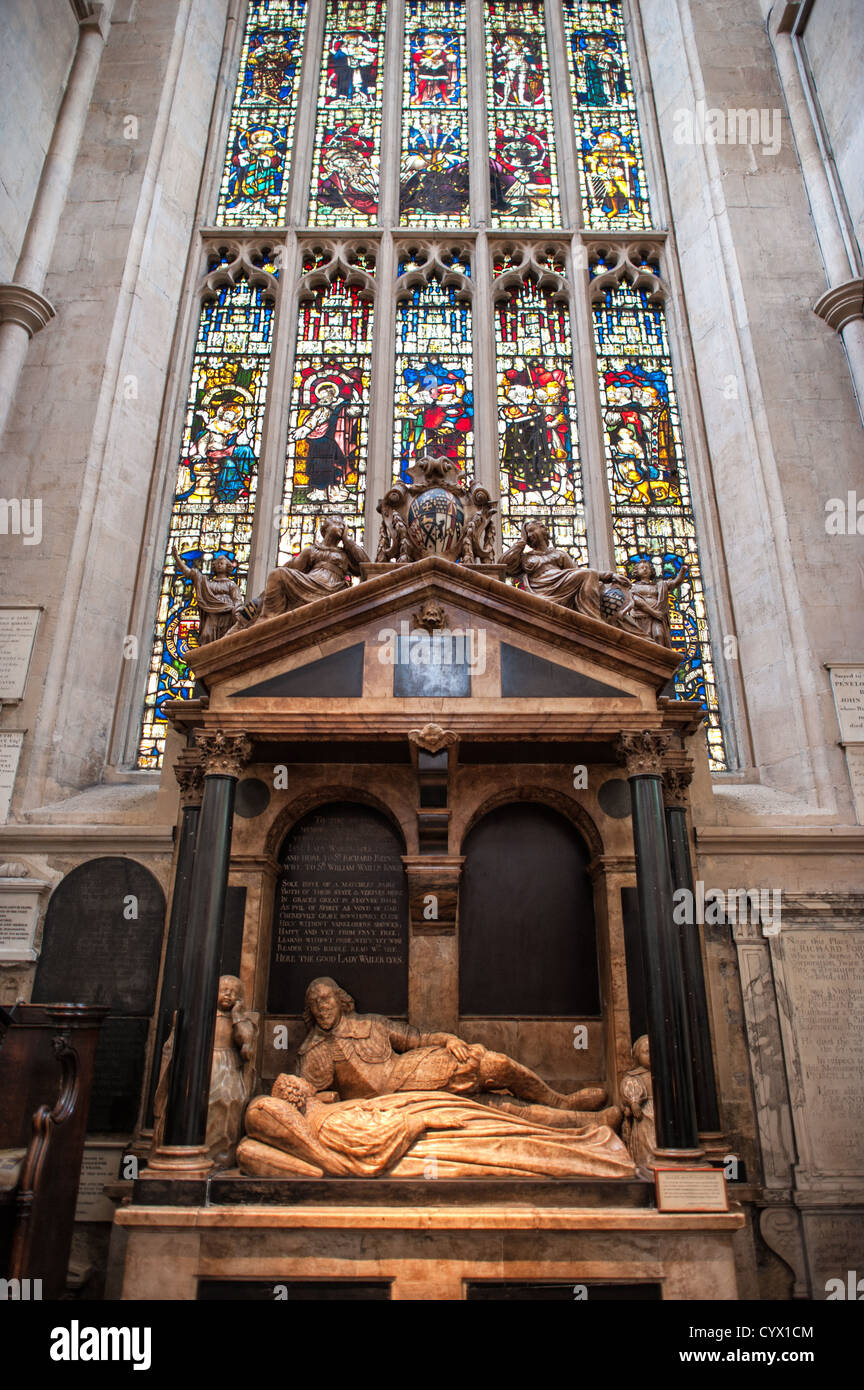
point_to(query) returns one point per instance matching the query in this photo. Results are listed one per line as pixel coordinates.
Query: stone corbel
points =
(223, 755)
(841, 304)
(432, 738)
(31, 311)
(780, 1228)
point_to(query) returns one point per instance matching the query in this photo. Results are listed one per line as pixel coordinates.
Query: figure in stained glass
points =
(519, 172)
(270, 68)
(435, 67)
(346, 178)
(639, 427)
(221, 462)
(598, 71)
(613, 171)
(352, 67)
(327, 432)
(518, 67)
(535, 449)
(255, 182)
(445, 411)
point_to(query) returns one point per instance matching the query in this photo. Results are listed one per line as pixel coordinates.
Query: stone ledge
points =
(757, 839)
(416, 1218)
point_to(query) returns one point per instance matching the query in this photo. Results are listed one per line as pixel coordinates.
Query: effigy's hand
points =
(459, 1049)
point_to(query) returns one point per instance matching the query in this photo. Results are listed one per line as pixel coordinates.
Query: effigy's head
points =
(333, 528)
(325, 1003)
(641, 1053)
(292, 1089)
(643, 569)
(535, 533)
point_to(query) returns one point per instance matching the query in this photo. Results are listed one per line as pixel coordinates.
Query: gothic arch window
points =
(430, 225)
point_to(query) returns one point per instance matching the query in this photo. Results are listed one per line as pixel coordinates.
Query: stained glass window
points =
(211, 517)
(254, 188)
(328, 434)
(612, 180)
(652, 511)
(433, 178)
(434, 379)
(537, 439)
(522, 166)
(348, 132)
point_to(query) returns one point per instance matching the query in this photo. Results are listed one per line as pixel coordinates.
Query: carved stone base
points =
(178, 1162)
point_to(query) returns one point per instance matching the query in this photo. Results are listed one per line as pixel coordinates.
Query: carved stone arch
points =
(566, 805)
(341, 259)
(290, 815)
(542, 262)
(631, 260)
(435, 260)
(232, 259)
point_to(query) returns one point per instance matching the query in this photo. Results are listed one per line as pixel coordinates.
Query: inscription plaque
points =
(103, 933)
(824, 972)
(100, 1165)
(17, 635)
(847, 684)
(10, 751)
(19, 912)
(342, 910)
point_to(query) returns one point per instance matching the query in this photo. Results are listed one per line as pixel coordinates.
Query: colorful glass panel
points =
(216, 484)
(612, 180)
(433, 179)
(538, 443)
(328, 434)
(347, 157)
(652, 512)
(522, 166)
(434, 378)
(254, 188)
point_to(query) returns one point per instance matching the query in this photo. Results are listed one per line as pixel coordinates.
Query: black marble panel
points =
(523, 675)
(339, 675)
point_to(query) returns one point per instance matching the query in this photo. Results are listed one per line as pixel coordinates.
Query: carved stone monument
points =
(436, 514)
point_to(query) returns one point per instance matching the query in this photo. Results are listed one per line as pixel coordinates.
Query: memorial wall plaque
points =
(17, 636)
(341, 910)
(824, 979)
(527, 944)
(847, 685)
(101, 945)
(11, 741)
(100, 1165)
(19, 914)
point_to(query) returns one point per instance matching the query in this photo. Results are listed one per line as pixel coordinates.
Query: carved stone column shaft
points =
(668, 1033)
(224, 756)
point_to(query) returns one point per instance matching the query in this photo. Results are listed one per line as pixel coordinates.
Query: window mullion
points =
(379, 466)
(265, 532)
(485, 394)
(478, 155)
(565, 135)
(598, 513)
(307, 113)
(391, 122)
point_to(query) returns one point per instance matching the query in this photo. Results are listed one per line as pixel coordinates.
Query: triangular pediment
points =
(356, 663)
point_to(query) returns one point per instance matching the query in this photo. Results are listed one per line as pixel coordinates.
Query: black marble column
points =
(190, 777)
(186, 1116)
(668, 1033)
(675, 784)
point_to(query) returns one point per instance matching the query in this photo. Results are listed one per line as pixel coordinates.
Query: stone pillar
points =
(224, 755)
(675, 784)
(23, 307)
(668, 1034)
(190, 776)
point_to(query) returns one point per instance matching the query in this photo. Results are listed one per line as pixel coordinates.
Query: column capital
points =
(643, 752)
(841, 304)
(24, 306)
(223, 755)
(189, 772)
(676, 783)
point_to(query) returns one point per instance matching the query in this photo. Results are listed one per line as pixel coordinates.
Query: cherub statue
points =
(218, 597)
(232, 1078)
(638, 1131)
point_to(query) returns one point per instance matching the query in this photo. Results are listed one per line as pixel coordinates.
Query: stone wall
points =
(38, 43)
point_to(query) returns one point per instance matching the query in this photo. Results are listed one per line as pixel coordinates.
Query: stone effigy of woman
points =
(408, 1134)
(638, 1130)
(320, 569)
(541, 568)
(232, 1077)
